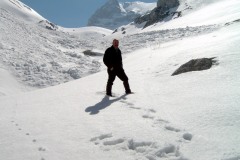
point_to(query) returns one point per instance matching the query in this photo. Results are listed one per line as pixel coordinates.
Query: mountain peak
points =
(114, 14)
(113, 2)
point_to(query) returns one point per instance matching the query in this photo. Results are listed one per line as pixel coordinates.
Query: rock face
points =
(195, 65)
(167, 3)
(164, 9)
(114, 14)
(48, 25)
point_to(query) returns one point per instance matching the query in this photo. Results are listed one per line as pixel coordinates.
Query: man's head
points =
(115, 43)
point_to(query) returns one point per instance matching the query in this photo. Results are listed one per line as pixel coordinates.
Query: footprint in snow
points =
(187, 136)
(113, 142)
(147, 116)
(137, 108)
(171, 128)
(127, 103)
(97, 139)
(101, 137)
(165, 125)
(161, 121)
(41, 149)
(152, 110)
(142, 149)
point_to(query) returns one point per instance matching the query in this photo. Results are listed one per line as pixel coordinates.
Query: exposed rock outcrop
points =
(195, 65)
(48, 25)
(164, 9)
(167, 3)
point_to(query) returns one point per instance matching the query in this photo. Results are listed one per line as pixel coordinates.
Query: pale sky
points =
(69, 13)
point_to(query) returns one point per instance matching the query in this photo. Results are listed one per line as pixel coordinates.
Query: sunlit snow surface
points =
(191, 116)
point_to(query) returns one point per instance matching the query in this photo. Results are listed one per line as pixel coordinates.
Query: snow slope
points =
(21, 10)
(9, 85)
(191, 116)
(41, 57)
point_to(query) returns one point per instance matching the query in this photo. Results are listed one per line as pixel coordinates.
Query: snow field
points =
(190, 116)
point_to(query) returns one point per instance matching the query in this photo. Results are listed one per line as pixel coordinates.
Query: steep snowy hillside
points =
(114, 14)
(21, 10)
(40, 55)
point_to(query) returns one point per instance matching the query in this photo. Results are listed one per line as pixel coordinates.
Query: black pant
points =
(119, 72)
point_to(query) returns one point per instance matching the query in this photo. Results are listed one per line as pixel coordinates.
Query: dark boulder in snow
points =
(195, 65)
(92, 53)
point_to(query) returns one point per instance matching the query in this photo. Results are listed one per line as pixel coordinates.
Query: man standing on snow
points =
(113, 60)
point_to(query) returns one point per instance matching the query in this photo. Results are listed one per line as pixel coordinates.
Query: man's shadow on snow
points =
(104, 103)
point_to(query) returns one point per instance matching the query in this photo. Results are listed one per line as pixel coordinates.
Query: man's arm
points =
(106, 59)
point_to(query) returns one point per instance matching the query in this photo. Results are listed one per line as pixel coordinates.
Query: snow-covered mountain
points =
(41, 54)
(20, 9)
(114, 14)
(191, 116)
(151, 21)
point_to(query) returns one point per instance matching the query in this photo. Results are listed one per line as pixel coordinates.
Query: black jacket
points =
(113, 58)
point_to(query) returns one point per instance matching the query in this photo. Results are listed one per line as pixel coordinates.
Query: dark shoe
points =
(109, 90)
(109, 94)
(129, 92)
(127, 88)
